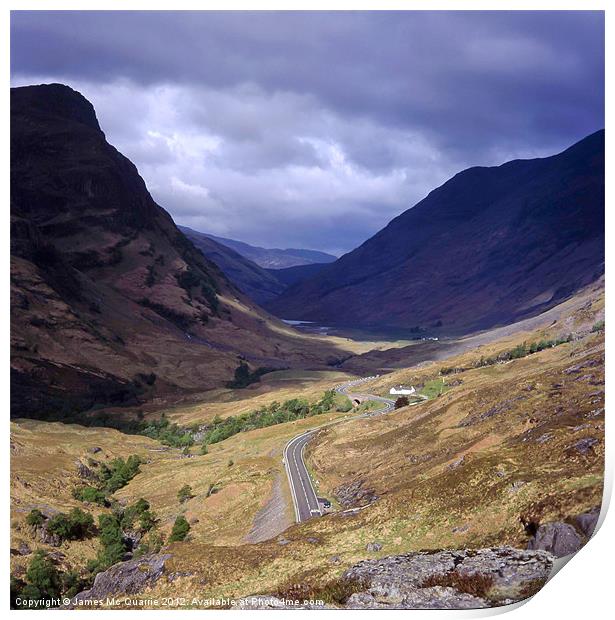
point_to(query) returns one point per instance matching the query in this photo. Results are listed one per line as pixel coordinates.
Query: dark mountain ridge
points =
(490, 246)
(291, 275)
(257, 283)
(110, 303)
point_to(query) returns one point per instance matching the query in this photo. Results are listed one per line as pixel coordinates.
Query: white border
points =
(584, 588)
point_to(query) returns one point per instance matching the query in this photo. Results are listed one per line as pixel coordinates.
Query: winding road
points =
(302, 490)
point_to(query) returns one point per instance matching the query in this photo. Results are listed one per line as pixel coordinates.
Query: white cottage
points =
(402, 390)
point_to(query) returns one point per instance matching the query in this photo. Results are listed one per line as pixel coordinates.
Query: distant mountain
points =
(275, 258)
(254, 281)
(110, 302)
(291, 275)
(490, 246)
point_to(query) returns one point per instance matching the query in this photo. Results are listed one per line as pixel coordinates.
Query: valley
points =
(194, 414)
(534, 457)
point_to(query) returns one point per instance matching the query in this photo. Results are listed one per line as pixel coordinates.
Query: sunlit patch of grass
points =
(434, 388)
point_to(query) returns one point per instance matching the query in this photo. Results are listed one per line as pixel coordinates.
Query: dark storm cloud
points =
(287, 128)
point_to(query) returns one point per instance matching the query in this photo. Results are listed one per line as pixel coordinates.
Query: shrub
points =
(73, 526)
(43, 578)
(153, 544)
(112, 541)
(344, 404)
(185, 493)
(147, 521)
(598, 326)
(139, 511)
(110, 530)
(81, 523)
(475, 584)
(335, 591)
(244, 377)
(119, 472)
(180, 530)
(90, 494)
(73, 583)
(402, 401)
(35, 518)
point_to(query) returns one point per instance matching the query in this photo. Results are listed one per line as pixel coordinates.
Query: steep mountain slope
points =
(291, 275)
(275, 258)
(490, 246)
(109, 301)
(254, 281)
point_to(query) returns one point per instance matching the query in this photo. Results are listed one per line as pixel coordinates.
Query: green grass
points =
(271, 415)
(433, 388)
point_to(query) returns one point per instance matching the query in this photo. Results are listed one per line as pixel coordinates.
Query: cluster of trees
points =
(111, 477)
(167, 433)
(112, 527)
(43, 580)
(76, 525)
(91, 495)
(275, 413)
(244, 376)
(522, 350)
(119, 472)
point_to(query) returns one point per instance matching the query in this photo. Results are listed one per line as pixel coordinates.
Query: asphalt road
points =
(302, 490)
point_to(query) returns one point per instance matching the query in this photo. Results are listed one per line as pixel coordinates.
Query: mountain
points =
(110, 303)
(275, 258)
(291, 275)
(490, 246)
(254, 281)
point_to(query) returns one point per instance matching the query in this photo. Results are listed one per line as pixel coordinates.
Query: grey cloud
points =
(286, 128)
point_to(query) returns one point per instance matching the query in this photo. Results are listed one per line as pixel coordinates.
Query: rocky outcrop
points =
(83, 471)
(455, 579)
(125, 578)
(560, 539)
(353, 494)
(586, 522)
(426, 598)
(46, 537)
(464, 579)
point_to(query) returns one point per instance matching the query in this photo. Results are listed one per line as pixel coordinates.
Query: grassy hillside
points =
(505, 447)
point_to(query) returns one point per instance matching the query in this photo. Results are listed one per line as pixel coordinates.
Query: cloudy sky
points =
(315, 129)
